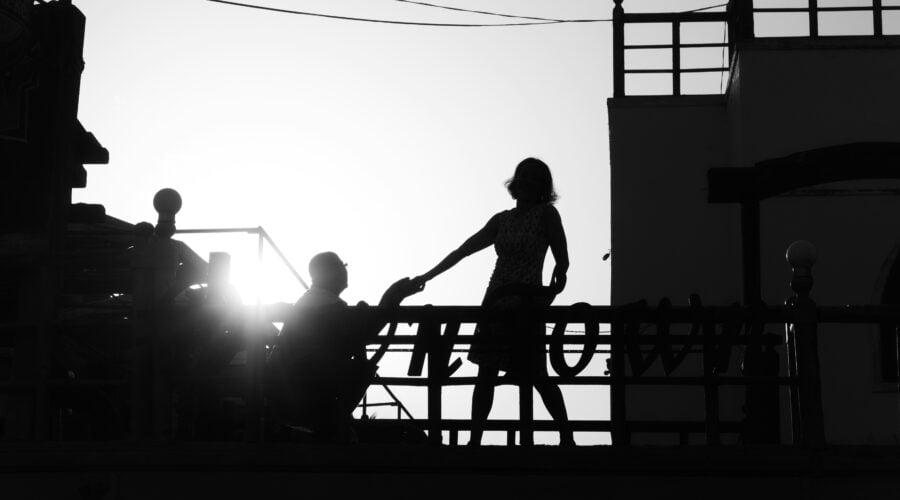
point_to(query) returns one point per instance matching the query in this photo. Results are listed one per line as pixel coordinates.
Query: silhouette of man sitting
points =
(318, 371)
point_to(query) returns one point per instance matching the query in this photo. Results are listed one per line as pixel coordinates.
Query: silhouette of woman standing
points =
(520, 237)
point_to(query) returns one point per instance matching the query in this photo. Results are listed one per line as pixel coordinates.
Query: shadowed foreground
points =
(226, 471)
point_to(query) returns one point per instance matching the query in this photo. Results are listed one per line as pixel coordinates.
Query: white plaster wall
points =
(666, 240)
(809, 97)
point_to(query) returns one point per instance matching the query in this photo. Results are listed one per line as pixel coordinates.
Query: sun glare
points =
(263, 280)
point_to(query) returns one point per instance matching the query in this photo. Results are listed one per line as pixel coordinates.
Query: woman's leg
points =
(482, 401)
(553, 400)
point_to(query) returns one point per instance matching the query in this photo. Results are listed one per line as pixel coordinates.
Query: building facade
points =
(708, 191)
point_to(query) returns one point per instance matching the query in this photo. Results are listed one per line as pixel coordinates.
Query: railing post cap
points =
(801, 254)
(167, 201)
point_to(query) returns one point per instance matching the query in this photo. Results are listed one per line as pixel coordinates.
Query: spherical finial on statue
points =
(167, 203)
(801, 254)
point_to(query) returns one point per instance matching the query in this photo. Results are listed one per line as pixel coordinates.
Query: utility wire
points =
(458, 9)
(701, 9)
(535, 22)
(499, 14)
(383, 21)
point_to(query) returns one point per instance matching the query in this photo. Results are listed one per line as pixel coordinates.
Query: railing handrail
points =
(261, 233)
(669, 17)
(600, 314)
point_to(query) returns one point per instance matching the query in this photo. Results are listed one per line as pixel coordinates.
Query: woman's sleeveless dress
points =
(521, 245)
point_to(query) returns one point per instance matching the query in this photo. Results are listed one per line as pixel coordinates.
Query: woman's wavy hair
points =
(539, 176)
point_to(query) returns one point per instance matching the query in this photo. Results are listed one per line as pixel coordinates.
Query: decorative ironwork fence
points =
(645, 346)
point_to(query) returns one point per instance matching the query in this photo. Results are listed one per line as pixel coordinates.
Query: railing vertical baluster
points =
(617, 384)
(733, 24)
(618, 49)
(877, 23)
(434, 411)
(813, 18)
(741, 21)
(436, 376)
(526, 414)
(710, 386)
(524, 324)
(676, 58)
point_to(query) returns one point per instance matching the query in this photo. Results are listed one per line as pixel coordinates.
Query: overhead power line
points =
(499, 14)
(532, 21)
(382, 21)
(711, 7)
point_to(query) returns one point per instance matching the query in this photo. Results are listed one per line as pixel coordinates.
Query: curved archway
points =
(768, 178)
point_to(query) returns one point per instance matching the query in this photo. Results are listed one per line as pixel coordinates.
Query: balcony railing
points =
(738, 23)
(136, 344)
(676, 67)
(638, 339)
(656, 346)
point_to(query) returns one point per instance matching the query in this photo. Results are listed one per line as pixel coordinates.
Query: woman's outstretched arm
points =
(478, 241)
(558, 246)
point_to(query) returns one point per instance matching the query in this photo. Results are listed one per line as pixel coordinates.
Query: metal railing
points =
(675, 21)
(647, 346)
(643, 351)
(262, 238)
(813, 9)
(739, 21)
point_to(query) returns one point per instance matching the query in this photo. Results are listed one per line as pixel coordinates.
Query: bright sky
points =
(387, 144)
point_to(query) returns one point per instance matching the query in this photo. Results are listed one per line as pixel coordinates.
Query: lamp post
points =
(803, 346)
